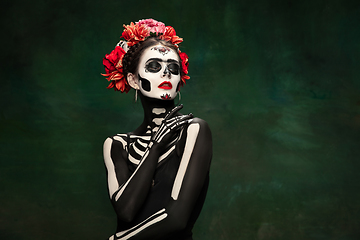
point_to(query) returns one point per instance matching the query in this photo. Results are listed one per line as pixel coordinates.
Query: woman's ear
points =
(133, 82)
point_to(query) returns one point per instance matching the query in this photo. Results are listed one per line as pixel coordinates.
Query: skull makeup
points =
(159, 73)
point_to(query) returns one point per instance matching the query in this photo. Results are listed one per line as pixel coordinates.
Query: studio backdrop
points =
(277, 81)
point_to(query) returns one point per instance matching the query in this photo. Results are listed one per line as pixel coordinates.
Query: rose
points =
(184, 67)
(153, 26)
(114, 70)
(113, 61)
(184, 62)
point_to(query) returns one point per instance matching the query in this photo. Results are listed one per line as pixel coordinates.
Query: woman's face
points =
(159, 72)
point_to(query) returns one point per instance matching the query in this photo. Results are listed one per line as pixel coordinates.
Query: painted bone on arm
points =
(128, 191)
(189, 182)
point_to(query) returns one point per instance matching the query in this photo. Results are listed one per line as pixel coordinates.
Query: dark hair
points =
(132, 57)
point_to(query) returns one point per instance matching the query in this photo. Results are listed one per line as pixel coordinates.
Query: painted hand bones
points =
(169, 126)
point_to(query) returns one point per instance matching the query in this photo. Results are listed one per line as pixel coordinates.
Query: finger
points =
(179, 118)
(180, 121)
(163, 135)
(185, 117)
(179, 125)
(173, 111)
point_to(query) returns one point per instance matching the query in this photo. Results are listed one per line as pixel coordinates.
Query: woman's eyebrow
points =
(172, 60)
(161, 60)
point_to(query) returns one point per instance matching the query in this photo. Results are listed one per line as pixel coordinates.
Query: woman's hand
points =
(169, 126)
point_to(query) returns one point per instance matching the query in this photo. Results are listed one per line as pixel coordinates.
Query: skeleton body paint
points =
(165, 175)
(145, 84)
(158, 174)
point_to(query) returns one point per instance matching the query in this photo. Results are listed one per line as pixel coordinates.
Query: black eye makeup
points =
(153, 66)
(174, 68)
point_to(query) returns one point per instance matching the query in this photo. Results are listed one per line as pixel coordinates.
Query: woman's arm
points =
(128, 191)
(189, 181)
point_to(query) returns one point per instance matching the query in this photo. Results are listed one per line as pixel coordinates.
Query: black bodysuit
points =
(160, 216)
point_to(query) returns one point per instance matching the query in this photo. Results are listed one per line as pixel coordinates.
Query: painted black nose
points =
(166, 72)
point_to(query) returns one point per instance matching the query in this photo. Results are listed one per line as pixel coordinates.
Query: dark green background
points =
(278, 82)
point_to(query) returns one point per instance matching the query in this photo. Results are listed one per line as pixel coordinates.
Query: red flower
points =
(184, 67)
(170, 35)
(114, 70)
(135, 33)
(111, 61)
(128, 32)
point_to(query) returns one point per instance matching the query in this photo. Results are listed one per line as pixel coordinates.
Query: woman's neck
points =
(154, 111)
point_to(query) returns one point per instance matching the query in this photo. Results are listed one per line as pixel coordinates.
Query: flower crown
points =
(133, 34)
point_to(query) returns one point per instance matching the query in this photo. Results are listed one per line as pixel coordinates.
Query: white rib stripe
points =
(142, 143)
(192, 133)
(138, 151)
(127, 182)
(162, 157)
(120, 139)
(133, 160)
(178, 138)
(141, 137)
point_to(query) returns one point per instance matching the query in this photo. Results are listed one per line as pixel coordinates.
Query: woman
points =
(158, 174)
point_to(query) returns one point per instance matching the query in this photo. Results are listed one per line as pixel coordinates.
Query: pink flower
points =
(153, 25)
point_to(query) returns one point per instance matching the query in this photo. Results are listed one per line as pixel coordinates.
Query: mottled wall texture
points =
(278, 81)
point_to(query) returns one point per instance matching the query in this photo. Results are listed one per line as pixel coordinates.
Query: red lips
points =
(165, 85)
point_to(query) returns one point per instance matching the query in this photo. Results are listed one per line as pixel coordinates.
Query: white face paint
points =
(159, 72)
